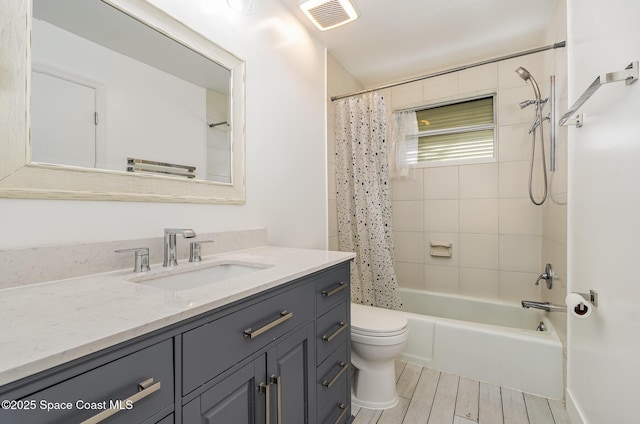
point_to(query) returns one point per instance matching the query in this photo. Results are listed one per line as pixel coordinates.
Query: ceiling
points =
(393, 40)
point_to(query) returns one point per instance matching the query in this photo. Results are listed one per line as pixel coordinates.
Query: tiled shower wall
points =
(483, 209)
(554, 212)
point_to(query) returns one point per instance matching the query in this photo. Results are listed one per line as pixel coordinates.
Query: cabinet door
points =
(239, 399)
(291, 366)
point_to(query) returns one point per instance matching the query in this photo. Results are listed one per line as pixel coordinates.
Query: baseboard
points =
(573, 411)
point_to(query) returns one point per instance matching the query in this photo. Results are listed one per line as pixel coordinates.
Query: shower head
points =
(525, 75)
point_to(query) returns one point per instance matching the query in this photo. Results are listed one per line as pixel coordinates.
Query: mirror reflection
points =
(109, 92)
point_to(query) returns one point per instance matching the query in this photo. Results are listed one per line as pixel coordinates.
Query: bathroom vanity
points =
(267, 347)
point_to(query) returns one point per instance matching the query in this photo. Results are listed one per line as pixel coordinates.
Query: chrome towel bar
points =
(629, 75)
(165, 168)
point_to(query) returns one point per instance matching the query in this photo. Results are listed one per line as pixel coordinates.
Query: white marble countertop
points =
(48, 324)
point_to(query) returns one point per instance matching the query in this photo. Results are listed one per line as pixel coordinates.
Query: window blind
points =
(463, 130)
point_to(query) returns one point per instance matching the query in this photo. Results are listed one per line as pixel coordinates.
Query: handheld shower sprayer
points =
(525, 75)
(537, 124)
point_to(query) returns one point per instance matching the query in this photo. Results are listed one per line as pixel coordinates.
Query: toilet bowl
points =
(378, 336)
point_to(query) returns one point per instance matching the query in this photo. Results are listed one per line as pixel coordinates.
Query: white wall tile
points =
(519, 216)
(509, 111)
(559, 178)
(517, 286)
(520, 253)
(479, 181)
(514, 142)
(441, 182)
(514, 180)
(409, 246)
(554, 219)
(479, 216)
(480, 282)
(481, 79)
(406, 95)
(452, 238)
(440, 87)
(410, 188)
(407, 215)
(410, 275)
(479, 251)
(441, 216)
(442, 278)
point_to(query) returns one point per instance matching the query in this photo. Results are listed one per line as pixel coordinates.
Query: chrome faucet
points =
(170, 251)
(545, 306)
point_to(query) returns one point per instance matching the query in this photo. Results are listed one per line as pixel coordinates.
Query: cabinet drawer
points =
(212, 348)
(332, 330)
(332, 288)
(336, 411)
(332, 375)
(81, 397)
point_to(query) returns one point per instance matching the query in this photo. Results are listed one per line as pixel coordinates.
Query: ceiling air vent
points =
(327, 14)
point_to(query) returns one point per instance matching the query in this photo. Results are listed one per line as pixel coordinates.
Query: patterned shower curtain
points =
(364, 198)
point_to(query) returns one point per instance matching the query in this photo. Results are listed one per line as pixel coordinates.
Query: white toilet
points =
(378, 335)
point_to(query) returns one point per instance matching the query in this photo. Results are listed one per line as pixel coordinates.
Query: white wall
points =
(339, 81)
(603, 215)
(285, 142)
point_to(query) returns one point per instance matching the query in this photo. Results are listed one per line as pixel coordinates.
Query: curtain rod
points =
(452, 70)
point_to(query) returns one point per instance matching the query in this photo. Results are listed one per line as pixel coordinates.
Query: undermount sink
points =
(177, 280)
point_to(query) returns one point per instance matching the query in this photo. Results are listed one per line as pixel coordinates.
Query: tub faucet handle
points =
(547, 275)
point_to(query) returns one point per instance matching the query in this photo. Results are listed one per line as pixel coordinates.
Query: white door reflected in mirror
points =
(156, 101)
(63, 114)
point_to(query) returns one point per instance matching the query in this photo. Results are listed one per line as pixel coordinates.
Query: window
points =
(455, 131)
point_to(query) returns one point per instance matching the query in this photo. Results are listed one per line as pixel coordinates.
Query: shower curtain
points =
(364, 198)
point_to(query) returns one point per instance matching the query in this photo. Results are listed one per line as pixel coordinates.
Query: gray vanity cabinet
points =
(333, 347)
(140, 385)
(272, 388)
(277, 357)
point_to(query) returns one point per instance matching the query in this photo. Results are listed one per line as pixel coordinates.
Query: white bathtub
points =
(491, 341)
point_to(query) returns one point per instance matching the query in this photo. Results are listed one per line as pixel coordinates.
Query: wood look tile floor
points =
(433, 397)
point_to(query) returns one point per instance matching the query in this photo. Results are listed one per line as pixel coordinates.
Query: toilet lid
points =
(369, 320)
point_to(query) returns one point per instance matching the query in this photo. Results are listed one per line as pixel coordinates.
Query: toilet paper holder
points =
(592, 297)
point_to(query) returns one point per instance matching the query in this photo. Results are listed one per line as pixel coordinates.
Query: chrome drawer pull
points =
(343, 326)
(343, 368)
(144, 389)
(341, 286)
(284, 315)
(341, 416)
(264, 388)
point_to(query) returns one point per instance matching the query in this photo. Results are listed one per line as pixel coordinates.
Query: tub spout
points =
(545, 306)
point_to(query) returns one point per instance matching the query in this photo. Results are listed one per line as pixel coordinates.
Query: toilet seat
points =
(361, 332)
(377, 322)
